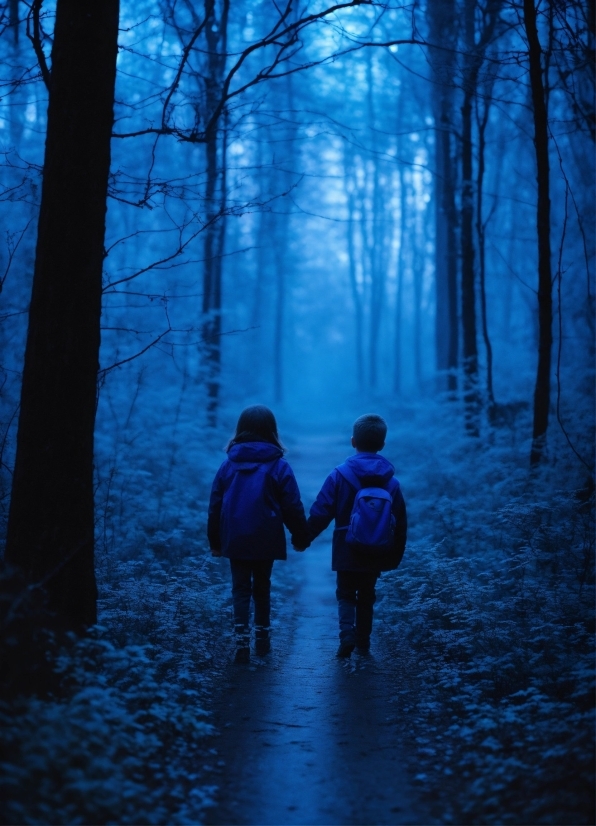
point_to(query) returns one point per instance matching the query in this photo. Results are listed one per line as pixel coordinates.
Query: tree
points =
(473, 59)
(441, 24)
(216, 32)
(545, 309)
(51, 522)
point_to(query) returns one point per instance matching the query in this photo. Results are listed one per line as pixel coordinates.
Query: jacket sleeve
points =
(401, 524)
(324, 508)
(292, 509)
(214, 514)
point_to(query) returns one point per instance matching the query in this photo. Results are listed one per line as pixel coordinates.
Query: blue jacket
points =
(335, 501)
(254, 495)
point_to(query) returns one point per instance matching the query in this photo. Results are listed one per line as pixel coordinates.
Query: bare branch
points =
(103, 373)
(35, 38)
(280, 36)
(12, 248)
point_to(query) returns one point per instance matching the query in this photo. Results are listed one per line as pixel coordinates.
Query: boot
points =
(362, 643)
(346, 644)
(262, 641)
(242, 644)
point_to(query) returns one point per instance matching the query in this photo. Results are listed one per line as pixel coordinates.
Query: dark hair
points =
(369, 432)
(256, 424)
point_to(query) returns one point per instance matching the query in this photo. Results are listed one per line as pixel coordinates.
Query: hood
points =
(249, 455)
(371, 468)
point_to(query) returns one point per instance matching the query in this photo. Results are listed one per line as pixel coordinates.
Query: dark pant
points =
(355, 599)
(251, 579)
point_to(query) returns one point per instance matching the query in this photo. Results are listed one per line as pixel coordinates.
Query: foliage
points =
(123, 734)
(495, 625)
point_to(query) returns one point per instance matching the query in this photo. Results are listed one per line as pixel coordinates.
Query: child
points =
(358, 565)
(254, 495)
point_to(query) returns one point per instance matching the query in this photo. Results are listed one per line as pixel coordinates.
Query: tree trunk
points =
(417, 278)
(481, 233)
(51, 520)
(212, 273)
(280, 304)
(356, 297)
(545, 310)
(401, 263)
(377, 269)
(441, 20)
(468, 267)
(215, 196)
(283, 235)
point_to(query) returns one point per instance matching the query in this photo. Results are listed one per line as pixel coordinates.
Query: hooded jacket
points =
(335, 501)
(254, 495)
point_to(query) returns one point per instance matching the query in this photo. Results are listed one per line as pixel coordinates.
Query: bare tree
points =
(545, 309)
(51, 523)
(216, 32)
(441, 19)
(473, 58)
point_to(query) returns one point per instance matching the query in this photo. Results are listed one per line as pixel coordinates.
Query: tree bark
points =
(401, 263)
(481, 233)
(468, 265)
(212, 274)
(441, 20)
(283, 234)
(417, 278)
(215, 196)
(545, 310)
(281, 248)
(377, 269)
(356, 297)
(51, 519)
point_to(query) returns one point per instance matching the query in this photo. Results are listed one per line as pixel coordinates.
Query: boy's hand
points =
(300, 548)
(215, 552)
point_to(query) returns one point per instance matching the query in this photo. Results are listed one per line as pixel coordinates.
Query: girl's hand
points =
(300, 550)
(215, 552)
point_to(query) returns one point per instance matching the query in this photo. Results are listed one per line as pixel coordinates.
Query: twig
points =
(103, 373)
(35, 39)
(12, 248)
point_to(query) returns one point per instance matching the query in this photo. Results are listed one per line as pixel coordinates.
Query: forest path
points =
(307, 738)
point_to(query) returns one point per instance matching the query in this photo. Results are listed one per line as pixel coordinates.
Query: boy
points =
(358, 566)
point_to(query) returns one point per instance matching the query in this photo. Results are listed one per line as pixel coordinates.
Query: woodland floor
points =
(476, 704)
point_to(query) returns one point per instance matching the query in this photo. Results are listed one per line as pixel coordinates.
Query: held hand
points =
(215, 552)
(300, 550)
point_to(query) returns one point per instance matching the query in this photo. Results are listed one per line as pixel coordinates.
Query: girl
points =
(254, 495)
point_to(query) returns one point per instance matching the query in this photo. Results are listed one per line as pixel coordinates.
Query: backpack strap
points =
(349, 475)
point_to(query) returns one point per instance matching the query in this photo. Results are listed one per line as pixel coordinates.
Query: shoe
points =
(345, 648)
(242, 655)
(262, 646)
(362, 645)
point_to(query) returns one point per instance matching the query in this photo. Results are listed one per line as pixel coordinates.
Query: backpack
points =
(372, 524)
(250, 514)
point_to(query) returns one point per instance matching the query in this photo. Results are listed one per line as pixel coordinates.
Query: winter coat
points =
(254, 495)
(335, 501)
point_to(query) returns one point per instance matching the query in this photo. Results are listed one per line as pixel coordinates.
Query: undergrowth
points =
(492, 613)
(490, 618)
(120, 736)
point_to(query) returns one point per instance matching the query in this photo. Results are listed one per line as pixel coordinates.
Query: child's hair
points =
(369, 432)
(256, 423)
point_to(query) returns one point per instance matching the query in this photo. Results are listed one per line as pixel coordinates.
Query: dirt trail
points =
(306, 738)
